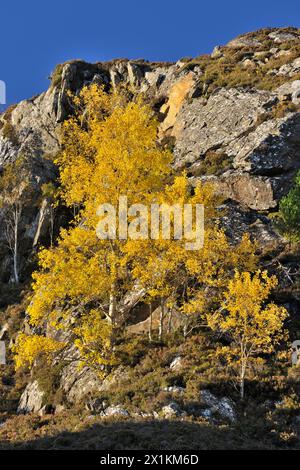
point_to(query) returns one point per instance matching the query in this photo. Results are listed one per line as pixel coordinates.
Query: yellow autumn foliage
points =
(109, 149)
(29, 347)
(254, 326)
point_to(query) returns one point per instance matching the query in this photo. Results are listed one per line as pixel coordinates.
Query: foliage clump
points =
(56, 76)
(213, 163)
(288, 218)
(8, 130)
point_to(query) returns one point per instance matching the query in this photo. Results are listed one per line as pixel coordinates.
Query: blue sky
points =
(37, 35)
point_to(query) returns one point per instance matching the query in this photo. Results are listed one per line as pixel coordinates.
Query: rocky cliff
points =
(232, 117)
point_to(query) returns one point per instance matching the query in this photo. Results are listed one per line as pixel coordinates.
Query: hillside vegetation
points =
(133, 342)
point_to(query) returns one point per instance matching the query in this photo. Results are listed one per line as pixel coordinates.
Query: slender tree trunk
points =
(242, 378)
(242, 387)
(161, 320)
(15, 244)
(42, 214)
(51, 225)
(185, 329)
(150, 322)
(112, 313)
(170, 320)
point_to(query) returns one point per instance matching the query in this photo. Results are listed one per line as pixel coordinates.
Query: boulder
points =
(31, 399)
(171, 410)
(116, 410)
(254, 192)
(174, 389)
(216, 53)
(96, 405)
(243, 41)
(280, 36)
(176, 363)
(223, 406)
(46, 410)
(59, 409)
(207, 413)
(78, 382)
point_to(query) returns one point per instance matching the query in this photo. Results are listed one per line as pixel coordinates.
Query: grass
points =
(213, 163)
(229, 71)
(139, 387)
(7, 129)
(69, 430)
(56, 76)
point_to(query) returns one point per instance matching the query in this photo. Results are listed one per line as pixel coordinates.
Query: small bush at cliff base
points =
(288, 218)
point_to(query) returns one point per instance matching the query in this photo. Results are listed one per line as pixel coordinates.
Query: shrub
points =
(9, 133)
(288, 218)
(48, 379)
(214, 163)
(57, 75)
(282, 108)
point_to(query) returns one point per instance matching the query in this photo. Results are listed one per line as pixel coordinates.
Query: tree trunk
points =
(112, 313)
(185, 329)
(161, 320)
(242, 387)
(150, 322)
(15, 245)
(51, 224)
(242, 379)
(42, 214)
(170, 320)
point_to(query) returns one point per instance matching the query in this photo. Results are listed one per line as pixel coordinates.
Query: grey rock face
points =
(243, 41)
(31, 399)
(177, 363)
(254, 192)
(116, 410)
(281, 36)
(290, 90)
(224, 406)
(77, 382)
(237, 220)
(201, 127)
(264, 155)
(289, 69)
(228, 121)
(171, 410)
(95, 405)
(174, 389)
(216, 53)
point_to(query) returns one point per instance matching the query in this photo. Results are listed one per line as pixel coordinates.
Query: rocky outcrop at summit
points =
(264, 155)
